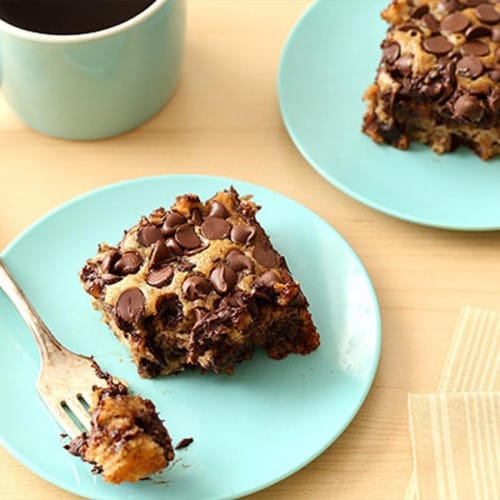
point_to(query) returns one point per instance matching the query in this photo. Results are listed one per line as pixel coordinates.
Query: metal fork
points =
(66, 379)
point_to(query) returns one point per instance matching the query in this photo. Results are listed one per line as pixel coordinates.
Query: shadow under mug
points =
(98, 84)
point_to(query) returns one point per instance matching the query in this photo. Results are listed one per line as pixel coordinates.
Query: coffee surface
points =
(69, 17)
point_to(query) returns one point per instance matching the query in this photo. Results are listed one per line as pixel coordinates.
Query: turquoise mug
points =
(97, 84)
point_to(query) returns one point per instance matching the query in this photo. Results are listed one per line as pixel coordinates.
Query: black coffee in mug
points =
(69, 17)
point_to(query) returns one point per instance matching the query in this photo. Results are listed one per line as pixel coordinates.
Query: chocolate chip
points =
(109, 261)
(184, 443)
(109, 279)
(266, 256)
(129, 263)
(404, 64)
(268, 279)
(420, 11)
(409, 27)
(174, 247)
(470, 67)
(391, 52)
(194, 251)
(172, 221)
(236, 299)
(223, 279)
(147, 235)
(242, 234)
(215, 228)
(449, 5)
(160, 254)
(475, 48)
(455, 23)
(495, 34)
(497, 55)
(218, 210)
(438, 45)
(186, 236)
(130, 305)
(238, 261)
(431, 23)
(200, 314)
(196, 287)
(469, 108)
(196, 216)
(487, 14)
(434, 91)
(495, 75)
(264, 286)
(474, 32)
(160, 277)
(473, 3)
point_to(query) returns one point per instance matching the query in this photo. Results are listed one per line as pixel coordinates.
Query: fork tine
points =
(63, 419)
(79, 411)
(87, 395)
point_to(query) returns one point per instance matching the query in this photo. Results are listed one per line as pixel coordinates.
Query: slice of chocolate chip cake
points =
(199, 285)
(127, 440)
(439, 78)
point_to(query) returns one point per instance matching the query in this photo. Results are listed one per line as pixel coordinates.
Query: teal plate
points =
(328, 62)
(250, 429)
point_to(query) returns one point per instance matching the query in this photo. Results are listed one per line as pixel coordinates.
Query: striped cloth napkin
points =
(455, 432)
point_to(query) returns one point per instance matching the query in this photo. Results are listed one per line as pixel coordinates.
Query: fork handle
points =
(46, 342)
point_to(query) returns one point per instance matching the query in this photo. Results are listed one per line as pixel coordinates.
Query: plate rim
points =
(377, 332)
(392, 212)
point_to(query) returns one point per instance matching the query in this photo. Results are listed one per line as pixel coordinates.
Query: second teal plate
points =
(328, 62)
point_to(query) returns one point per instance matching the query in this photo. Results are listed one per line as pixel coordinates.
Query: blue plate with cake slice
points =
(329, 61)
(250, 429)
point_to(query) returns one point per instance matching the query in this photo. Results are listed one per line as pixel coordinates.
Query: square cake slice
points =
(438, 81)
(199, 285)
(127, 440)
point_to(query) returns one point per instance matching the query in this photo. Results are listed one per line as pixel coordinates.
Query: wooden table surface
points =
(224, 120)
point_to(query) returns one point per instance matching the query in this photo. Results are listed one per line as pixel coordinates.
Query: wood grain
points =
(224, 120)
